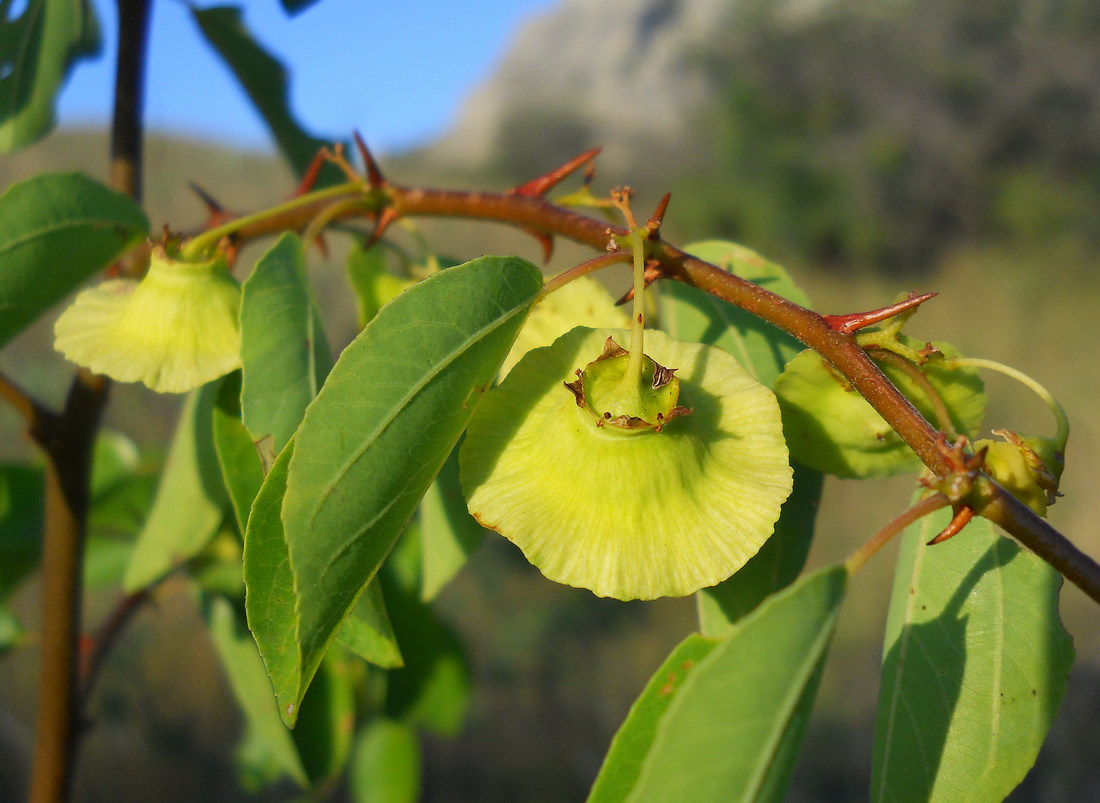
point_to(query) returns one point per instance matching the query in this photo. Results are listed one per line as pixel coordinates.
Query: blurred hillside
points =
(844, 132)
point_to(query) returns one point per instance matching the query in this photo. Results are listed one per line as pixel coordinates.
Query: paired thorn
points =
(545, 240)
(651, 274)
(653, 225)
(963, 516)
(312, 172)
(374, 174)
(216, 214)
(846, 324)
(385, 220)
(538, 187)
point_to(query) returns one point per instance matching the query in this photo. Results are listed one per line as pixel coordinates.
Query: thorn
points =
(963, 515)
(322, 246)
(545, 240)
(589, 173)
(385, 219)
(846, 324)
(538, 187)
(215, 211)
(653, 225)
(651, 274)
(310, 176)
(374, 175)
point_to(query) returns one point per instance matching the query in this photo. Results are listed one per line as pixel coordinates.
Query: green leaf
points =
(450, 534)
(241, 467)
(776, 565)
(691, 315)
(269, 744)
(22, 515)
(284, 354)
(623, 763)
(265, 81)
(269, 588)
(378, 432)
(831, 428)
(367, 631)
(294, 6)
(974, 667)
(385, 766)
(56, 230)
(11, 631)
(432, 689)
(37, 50)
(325, 727)
(372, 282)
(190, 502)
(733, 727)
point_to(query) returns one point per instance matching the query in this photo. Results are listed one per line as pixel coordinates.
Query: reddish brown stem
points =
(838, 348)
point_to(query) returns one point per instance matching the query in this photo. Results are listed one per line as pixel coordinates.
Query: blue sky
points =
(397, 71)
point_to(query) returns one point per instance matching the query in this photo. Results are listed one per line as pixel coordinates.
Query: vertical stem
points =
(637, 322)
(68, 446)
(127, 135)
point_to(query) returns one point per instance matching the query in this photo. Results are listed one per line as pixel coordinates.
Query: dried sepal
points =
(628, 514)
(174, 330)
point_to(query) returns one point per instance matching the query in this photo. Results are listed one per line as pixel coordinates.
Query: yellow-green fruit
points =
(628, 513)
(174, 330)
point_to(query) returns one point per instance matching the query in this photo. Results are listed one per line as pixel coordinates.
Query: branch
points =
(68, 448)
(533, 214)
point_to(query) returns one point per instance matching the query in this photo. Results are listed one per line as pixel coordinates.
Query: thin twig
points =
(68, 468)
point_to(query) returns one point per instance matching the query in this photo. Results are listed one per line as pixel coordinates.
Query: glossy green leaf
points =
(325, 728)
(732, 729)
(269, 742)
(56, 230)
(22, 514)
(190, 502)
(385, 766)
(241, 467)
(37, 50)
(367, 631)
(265, 81)
(691, 315)
(390, 412)
(372, 282)
(776, 565)
(974, 667)
(115, 460)
(632, 742)
(269, 588)
(831, 428)
(284, 353)
(449, 533)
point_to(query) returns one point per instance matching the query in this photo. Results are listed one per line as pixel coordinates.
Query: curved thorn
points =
(545, 240)
(538, 187)
(651, 274)
(963, 515)
(385, 219)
